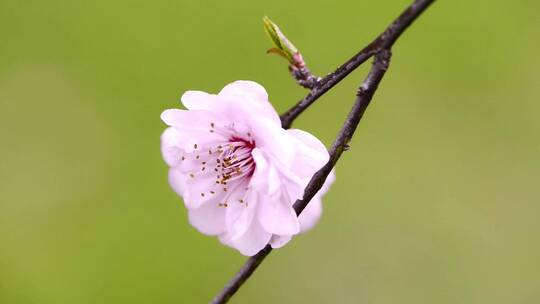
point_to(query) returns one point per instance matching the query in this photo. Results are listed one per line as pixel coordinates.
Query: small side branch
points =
(286, 49)
(304, 77)
(384, 41)
(301, 73)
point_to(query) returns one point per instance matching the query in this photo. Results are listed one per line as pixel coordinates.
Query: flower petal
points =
(240, 213)
(312, 213)
(195, 127)
(201, 187)
(278, 241)
(278, 216)
(209, 218)
(177, 180)
(243, 99)
(273, 140)
(198, 100)
(248, 88)
(252, 241)
(170, 147)
(265, 179)
(311, 154)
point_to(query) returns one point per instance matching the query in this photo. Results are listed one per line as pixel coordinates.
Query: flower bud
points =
(282, 45)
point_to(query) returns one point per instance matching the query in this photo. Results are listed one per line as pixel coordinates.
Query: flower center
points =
(234, 160)
(232, 165)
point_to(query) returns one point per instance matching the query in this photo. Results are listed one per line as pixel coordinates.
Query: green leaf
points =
(282, 45)
(277, 52)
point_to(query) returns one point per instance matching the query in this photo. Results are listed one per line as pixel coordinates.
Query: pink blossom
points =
(238, 172)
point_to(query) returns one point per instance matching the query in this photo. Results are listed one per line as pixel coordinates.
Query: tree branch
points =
(241, 276)
(364, 95)
(363, 98)
(384, 41)
(380, 49)
(302, 74)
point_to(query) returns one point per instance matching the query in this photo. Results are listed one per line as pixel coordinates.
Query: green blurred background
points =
(437, 201)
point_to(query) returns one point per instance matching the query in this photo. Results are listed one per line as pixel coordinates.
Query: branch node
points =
(304, 77)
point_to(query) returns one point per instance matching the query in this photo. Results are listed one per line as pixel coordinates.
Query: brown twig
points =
(304, 77)
(301, 73)
(241, 276)
(380, 49)
(384, 41)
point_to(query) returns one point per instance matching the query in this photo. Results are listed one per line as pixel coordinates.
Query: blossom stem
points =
(385, 40)
(301, 73)
(241, 276)
(380, 50)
